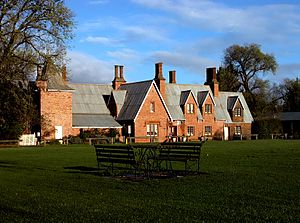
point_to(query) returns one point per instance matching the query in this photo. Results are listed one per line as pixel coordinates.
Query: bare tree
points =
(32, 32)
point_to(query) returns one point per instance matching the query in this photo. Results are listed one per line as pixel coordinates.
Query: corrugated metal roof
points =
(88, 98)
(94, 121)
(289, 116)
(136, 93)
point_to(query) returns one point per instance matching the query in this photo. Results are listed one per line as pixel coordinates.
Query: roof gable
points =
(135, 96)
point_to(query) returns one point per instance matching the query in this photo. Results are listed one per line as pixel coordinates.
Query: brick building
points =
(151, 108)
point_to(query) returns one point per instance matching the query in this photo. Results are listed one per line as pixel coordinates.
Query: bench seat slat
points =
(120, 156)
(114, 160)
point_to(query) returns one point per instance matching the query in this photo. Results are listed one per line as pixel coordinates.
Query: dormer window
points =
(190, 108)
(152, 107)
(208, 108)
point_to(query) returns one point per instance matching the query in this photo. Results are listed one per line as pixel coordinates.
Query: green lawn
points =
(241, 181)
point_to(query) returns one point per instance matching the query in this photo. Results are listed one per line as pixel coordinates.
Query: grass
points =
(241, 181)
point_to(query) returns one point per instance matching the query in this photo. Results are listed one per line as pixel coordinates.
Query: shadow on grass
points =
(5, 164)
(83, 170)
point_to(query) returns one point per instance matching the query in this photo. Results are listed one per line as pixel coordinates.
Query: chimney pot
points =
(158, 70)
(116, 71)
(121, 71)
(172, 77)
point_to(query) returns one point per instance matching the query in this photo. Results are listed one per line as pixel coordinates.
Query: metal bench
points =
(179, 152)
(9, 143)
(115, 156)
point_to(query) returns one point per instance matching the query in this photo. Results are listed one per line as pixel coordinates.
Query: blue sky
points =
(186, 35)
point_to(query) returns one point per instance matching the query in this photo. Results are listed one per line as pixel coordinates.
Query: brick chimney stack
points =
(159, 79)
(119, 77)
(211, 80)
(172, 77)
(41, 80)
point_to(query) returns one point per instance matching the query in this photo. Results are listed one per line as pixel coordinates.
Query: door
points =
(58, 132)
(226, 133)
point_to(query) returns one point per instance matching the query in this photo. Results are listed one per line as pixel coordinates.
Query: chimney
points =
(158, 71)
(159, 79)
(39, 72)
(121, 72)
(41, 80)
(116, 71)
(211, 80)
(172, 77)
(64, 74)
(119, 77)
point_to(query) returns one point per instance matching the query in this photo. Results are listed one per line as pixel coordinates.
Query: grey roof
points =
(173, 98)
(222, 107)
(290, 116)
(89, 107)
(88, 98)
(136, 93)
(119, 97)
(231, 102)
(94, 121)
(56, 83)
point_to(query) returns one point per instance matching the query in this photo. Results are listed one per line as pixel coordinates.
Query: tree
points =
(247, 63)
(291, 95)
(32, 33)
(228, 81)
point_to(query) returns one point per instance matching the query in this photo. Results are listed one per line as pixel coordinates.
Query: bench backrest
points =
(181, 150)
(115, 153)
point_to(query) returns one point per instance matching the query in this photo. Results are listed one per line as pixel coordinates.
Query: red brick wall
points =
(145, 117)
(191, 119)
(56, 108)
(245, 127)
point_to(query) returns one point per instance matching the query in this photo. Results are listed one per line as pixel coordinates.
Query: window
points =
(208, 131)
(238, 112)
(152, 129)
(208, 108)
(191, 131)
(152, 107)
(237, 130)
(190, 108)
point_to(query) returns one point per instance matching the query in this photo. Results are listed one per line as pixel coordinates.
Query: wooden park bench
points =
(115, 156)
(179, 152)
(9, 143)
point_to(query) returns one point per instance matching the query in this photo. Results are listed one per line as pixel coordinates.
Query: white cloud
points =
(88, 69)
(98, 2)
(125, 55)
(102, 40)
(194, 63)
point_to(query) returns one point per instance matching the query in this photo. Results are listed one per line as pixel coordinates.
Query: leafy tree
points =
(228, 81)
(246, 63)
(32, 32)
(291, 95)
